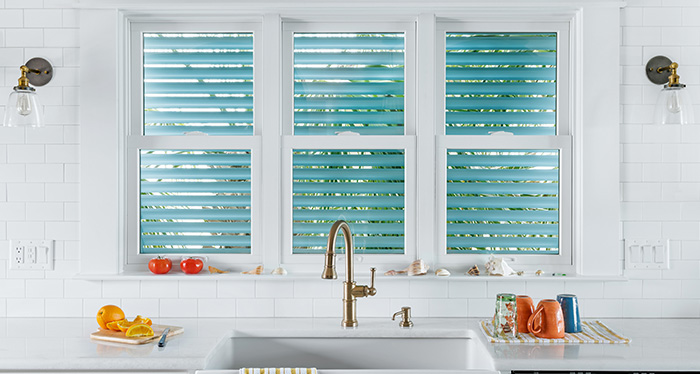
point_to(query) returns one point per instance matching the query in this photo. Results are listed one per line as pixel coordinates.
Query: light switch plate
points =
(647, 253)
(31, 254)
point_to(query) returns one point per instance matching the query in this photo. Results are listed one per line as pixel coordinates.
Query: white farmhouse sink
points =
(383, 351)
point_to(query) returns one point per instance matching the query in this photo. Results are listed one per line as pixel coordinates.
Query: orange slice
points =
(114, 325)
(142, 320)
(124, 325)
(137, 331)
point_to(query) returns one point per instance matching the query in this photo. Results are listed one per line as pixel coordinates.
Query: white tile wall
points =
(39, 197)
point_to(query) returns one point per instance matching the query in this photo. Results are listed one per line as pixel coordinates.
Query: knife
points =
(161, 343)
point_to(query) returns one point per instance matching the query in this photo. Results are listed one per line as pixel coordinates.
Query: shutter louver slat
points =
(366, 190)
(500, 82)
(348, 82)
(195, 202)
(198, 82)
(502, 200)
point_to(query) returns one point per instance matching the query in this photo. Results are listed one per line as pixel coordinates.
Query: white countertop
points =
(64, 343)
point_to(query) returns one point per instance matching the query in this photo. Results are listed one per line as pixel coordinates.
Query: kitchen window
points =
(372, 122)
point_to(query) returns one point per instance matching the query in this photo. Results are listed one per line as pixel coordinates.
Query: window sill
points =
(145, 276)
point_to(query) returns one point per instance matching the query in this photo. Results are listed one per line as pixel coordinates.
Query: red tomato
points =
(160, 265)
(191, 265)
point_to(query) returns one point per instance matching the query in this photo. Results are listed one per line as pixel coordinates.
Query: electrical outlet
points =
(31, 254)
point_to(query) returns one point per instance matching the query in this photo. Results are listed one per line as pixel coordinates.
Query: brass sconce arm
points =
(661, 70)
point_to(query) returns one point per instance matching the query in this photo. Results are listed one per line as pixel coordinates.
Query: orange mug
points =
(525, 307)
(547, 321)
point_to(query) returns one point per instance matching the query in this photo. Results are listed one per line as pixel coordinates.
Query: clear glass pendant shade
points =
(23, 109)
(674, 106)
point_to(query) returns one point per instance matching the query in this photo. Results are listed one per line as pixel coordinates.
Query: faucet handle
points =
(372, 291)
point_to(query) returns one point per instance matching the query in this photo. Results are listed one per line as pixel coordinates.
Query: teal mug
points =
(569, 306)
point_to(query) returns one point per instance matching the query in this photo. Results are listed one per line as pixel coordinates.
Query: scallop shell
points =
(442, 273)
(257, 271)
(392, 272)
(279, 271)
(473, 271)
(539, 272)
(214, 270)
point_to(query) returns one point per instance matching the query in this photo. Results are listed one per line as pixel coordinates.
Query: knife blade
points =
(161, 343)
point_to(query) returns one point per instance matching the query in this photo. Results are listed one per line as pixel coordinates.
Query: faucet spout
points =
(351, 291)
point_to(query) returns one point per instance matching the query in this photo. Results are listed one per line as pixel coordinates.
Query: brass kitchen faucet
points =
(350, 291)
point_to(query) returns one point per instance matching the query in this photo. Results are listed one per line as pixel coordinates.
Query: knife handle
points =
(161, 343)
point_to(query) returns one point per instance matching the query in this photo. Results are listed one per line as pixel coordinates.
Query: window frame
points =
(290, 142)
(561, 141)
(104, 67)
(136, 140)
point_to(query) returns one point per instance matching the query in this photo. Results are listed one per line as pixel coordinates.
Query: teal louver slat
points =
(500, 82)
(363, 187)
(349, 82)
(502, 201)
(195, 202)
(198, 82)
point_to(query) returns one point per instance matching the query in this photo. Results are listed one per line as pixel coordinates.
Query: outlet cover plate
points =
(647, 253)
(31, 254)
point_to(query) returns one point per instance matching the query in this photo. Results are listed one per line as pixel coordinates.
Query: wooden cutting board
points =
(120, 337)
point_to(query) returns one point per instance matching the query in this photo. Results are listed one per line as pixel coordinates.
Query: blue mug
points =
(569, 307)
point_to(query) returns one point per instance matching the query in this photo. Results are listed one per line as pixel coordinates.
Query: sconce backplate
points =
(40, 64)
(652, 69)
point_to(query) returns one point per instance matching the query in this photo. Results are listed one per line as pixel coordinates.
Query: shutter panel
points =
(500, 82)
(195, 202)
(348, 82)
(363, 187)
(198, 82)
(502, 200)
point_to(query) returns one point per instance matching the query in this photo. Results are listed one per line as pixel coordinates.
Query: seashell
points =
(539, 272)
(214, 270)
(417, 267)
(442, 273)
(473, 271)
(257, 271)
(279, 271)
(520, 273)
(499, 267)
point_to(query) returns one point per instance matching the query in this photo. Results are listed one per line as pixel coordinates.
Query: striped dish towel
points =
(593, 332)
(277, 371)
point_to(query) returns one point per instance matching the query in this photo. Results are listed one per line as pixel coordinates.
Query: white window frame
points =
(562, 141)
(105, 112)
(137, 141)
(404, 142)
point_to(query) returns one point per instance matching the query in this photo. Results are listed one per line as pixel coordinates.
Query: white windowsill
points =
(205, 276)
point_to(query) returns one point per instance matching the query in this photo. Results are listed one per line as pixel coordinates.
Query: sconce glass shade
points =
(23, 109)
(674, 106)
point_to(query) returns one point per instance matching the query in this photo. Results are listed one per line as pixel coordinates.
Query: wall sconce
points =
(23, 107)
(674, 105)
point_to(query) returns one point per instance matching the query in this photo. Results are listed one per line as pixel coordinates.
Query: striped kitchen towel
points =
(593, 332)
(277, 371)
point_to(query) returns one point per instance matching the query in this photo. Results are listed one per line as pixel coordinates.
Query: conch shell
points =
(257, 271)
(442, 273)
(279, 271)
(499, 267)
(417, 267)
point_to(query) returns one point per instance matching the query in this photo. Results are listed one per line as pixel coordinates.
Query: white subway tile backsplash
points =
(631, 289)
(515, 287)
(25, 192)
(641, 308)
(145, 307)
(274, 289)
(457, 289)
(312, 289)
(428, 288)
(120, 289)
(178, 308)
(45, 173)
(661, 289)
(220, 308)
(25, 307)
(63, 308)
(78, 289)
(600, 308)
(680, 308)
(448, 307)
(44, 288)
(260, 308)
(239, 289)
(92, 305)
(196, 290)
(159, 289)
(327, 308)
(294, 308)
(41, 18)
